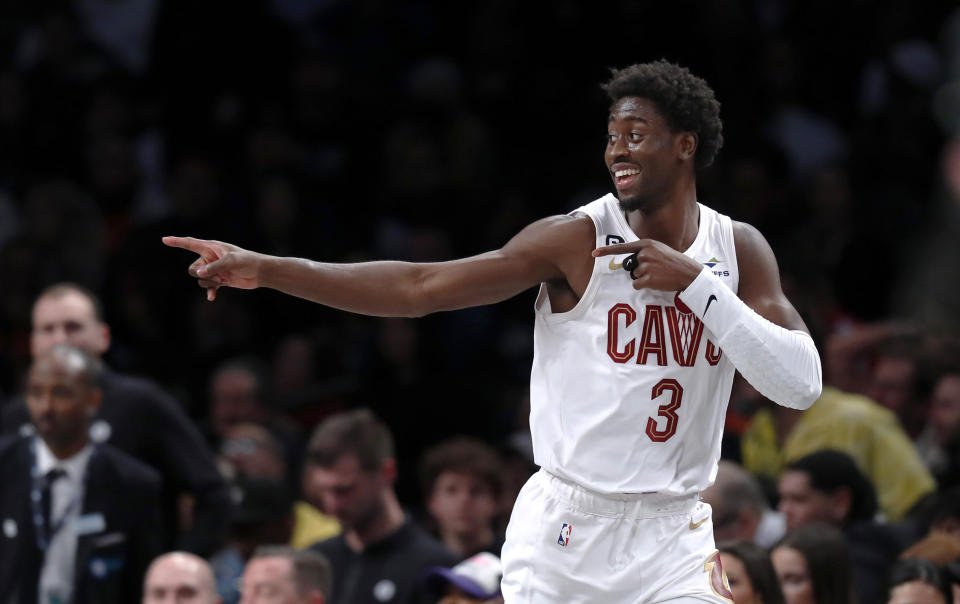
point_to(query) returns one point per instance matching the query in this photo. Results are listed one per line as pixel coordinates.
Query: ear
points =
(687, 145)
(104, 343)
(94, 402)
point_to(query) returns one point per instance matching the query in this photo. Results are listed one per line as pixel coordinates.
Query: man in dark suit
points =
(80, 521)
(136, 417)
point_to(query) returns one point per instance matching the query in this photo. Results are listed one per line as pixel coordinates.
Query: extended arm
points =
(389, 288)
(760, 331)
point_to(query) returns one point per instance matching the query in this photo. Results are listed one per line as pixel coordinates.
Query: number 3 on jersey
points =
(667, 410)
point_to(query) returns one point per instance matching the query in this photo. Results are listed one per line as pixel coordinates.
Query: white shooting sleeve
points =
(782, 364)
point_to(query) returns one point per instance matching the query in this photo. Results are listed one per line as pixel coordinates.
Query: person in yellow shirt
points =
(846, 422)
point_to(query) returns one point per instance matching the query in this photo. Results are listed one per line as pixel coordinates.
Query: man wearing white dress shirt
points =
(79, 522)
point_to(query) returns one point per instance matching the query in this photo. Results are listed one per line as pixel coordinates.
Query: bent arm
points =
(392, 288)
(760, 331)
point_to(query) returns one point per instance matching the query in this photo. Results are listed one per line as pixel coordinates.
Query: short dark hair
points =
(760, 571)
(830, 470)
(59, 290)
(461, 454)
(358, 433)
(685, 100)
(919, 569)
(828, 561)
(311, 569)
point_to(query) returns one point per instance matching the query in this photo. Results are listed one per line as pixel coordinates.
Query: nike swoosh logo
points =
(695, 525)
(614, 265)
(709, 300)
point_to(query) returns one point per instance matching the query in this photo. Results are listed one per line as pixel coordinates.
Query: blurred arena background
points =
(349, 130)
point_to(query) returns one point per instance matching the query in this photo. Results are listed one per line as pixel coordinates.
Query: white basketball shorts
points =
(572, 545)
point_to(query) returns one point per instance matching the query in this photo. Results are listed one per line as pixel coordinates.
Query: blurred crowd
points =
(419, 130)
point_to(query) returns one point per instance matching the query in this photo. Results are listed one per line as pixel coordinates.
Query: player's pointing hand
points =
(220, 264)
(657, 265)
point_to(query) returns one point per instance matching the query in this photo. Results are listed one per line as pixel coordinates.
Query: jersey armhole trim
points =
(542, 305)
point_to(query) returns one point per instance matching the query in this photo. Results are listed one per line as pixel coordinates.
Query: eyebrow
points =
(630, 118)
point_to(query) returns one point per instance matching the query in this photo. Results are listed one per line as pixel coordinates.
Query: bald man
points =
(180, 578)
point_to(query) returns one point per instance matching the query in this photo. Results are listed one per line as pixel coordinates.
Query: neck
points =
(64, 451)
(674, 222)
(464, 545)
(382, 524)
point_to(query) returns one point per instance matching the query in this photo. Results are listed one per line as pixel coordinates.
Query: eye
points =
(611, 138)
(636, 137)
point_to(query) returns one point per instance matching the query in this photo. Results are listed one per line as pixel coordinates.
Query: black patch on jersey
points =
(611, 239)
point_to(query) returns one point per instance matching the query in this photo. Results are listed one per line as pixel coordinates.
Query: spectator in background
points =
(283, 575)
(899, 383)
(740, 508)
(263, 515)
(941, 544)
(250, 451)
(476, 580)
(916, 580)
(239, 393)
(813, 566)
(750, 573)
(461, 482)
(845, 422)
(381, 553)
(135, 417)
(885, 361)
(81, 520)
(180, 578)
(940, 442)
(826, 487)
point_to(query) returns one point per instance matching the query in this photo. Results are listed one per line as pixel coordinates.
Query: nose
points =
(617, 149)
(40, 402)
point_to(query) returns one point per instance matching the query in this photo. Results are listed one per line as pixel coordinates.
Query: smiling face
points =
(646, 159)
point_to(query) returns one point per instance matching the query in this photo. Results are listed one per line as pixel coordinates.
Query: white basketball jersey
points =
(629, 392)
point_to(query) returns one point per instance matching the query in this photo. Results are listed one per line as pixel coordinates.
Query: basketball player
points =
(632, 369)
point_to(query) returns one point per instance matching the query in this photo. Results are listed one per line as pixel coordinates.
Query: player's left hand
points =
(659, 266)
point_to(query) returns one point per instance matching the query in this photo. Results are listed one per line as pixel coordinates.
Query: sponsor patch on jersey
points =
(565, 531)
(712, 262)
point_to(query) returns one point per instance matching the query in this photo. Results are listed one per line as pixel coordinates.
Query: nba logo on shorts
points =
(565, 531)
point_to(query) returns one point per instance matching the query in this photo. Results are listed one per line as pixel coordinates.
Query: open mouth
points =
(625, 177)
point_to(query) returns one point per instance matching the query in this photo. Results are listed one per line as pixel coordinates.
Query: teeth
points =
(630, 172)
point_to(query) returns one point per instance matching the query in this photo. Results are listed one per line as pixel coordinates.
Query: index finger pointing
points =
(621, 248)
(188, 243)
